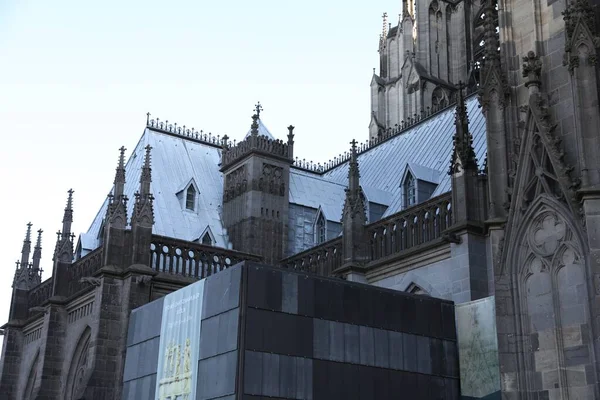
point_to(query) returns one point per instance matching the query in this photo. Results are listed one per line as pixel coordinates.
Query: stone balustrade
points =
(191, 259)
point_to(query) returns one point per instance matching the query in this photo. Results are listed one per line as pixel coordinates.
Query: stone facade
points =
(521, 223)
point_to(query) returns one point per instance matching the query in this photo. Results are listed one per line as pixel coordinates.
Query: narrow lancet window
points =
(410, 190)
(321, 229)
(190, 198)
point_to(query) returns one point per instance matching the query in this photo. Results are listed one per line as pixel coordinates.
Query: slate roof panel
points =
(175, 161)
(428, 144)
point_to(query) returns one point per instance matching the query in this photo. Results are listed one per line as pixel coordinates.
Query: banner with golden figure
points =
(180, 344)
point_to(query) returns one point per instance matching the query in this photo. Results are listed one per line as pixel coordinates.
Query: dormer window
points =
(207, 240)
(321, 229)
(190, 198)
(410, 190)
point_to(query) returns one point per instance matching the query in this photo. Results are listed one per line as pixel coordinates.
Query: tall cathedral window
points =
(190, 198)
(321, 229)
(410, 190)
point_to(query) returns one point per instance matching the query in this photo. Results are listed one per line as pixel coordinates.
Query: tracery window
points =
(76, 379)
(190, 198)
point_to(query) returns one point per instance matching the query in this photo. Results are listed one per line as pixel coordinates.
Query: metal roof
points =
(428, 144)
(176, 161)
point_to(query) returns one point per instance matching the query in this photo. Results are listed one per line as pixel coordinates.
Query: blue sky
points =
(77, 78)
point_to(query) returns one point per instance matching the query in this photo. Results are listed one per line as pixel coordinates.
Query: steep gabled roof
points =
(176, 160)
(428, 144)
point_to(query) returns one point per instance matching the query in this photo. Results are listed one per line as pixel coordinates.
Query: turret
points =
(26, 247)
(256, 191)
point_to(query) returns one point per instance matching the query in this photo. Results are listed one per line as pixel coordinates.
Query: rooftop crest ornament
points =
(257, 109)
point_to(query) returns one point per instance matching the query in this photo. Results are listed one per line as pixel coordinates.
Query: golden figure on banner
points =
(177, 373)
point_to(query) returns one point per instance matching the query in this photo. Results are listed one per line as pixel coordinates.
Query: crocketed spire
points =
(463, 156)
(143, 209)
(116, 212)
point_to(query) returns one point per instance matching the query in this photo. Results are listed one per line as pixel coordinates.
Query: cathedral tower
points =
(434, 46)
(256, 191)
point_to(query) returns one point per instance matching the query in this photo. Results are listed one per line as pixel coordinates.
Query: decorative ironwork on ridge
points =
(303, 164)
(183, 131)
(387, 134)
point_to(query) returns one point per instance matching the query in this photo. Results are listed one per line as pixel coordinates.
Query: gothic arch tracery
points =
(551, 293)
(28, 395)
(80, 366)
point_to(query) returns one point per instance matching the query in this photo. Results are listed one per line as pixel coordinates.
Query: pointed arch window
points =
(207, 240)
(410, 190)
(190, 198)
(321, 229)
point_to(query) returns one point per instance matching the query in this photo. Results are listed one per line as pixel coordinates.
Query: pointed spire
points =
(116, 212)
(68, 215)
(120, 174)
(64, 245)
(463, 156)
(26, 247)
(254, 126)
(37, 251)
(143, 209)
(146, 176)
(353, 173)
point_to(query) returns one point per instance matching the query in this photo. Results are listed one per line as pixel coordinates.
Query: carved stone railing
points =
(321, 260)
(39, 294)
(192, 259)
(85, 267)
(414, 226)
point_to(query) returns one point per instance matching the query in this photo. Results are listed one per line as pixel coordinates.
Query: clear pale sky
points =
(77, 78)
